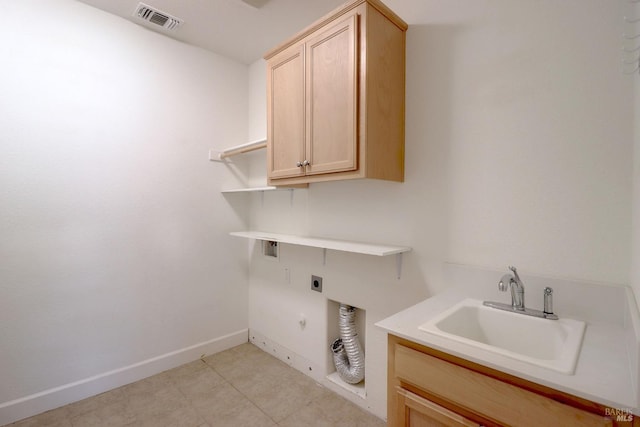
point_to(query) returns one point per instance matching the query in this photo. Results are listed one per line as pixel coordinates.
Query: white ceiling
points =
(229, 27)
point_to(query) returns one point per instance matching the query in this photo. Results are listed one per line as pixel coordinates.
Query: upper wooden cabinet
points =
(335, 98)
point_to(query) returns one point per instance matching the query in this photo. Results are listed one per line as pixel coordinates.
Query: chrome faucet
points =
(548, 301)
(517, 288)
(512, 280)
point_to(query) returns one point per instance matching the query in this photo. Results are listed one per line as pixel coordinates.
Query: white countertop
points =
(607, 367)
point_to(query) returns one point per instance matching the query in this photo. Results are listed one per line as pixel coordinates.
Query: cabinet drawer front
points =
(485, 396)
(416, 411)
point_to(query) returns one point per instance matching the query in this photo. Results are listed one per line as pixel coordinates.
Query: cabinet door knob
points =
(299, 164)
(306, 163)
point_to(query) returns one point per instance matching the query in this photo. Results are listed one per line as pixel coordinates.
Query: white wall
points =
(113, 233)
(635, 260)
(518, 151)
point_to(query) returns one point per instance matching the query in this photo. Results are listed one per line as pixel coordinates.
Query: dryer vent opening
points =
(348, 356)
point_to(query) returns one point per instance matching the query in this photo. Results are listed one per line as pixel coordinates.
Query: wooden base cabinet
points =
(428, 388)
(335, 98)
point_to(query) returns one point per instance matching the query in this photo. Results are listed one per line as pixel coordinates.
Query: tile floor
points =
(243, 386)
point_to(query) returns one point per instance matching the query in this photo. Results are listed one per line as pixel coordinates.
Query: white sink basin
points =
(552, 344)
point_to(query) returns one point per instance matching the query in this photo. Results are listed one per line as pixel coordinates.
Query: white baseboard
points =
(37, 403)
(356, 395)
(287, 356)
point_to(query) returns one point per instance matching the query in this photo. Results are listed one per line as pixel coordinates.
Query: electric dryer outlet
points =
(316, 283)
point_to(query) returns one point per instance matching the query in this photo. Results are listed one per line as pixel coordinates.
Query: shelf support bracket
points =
(399, 265)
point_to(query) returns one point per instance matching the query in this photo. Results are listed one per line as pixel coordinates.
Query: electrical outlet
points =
(316, 283)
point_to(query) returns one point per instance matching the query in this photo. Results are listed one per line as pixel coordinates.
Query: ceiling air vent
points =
(256, 3)
(157, 17)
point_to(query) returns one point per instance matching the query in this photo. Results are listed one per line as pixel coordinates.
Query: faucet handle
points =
(515, 273)
(548, 301)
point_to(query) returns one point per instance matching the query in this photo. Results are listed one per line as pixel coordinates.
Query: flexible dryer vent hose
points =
(348, 356)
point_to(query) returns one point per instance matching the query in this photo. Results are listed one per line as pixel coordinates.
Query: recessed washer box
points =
(270, 249)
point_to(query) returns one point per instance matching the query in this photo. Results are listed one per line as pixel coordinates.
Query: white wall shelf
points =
(220, 156)
(254, 189)
(336, 245)
(260, 190)
(317, 242)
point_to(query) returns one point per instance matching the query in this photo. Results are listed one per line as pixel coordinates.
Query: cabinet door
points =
(415, 411)
(332, 105)
(285, 113)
